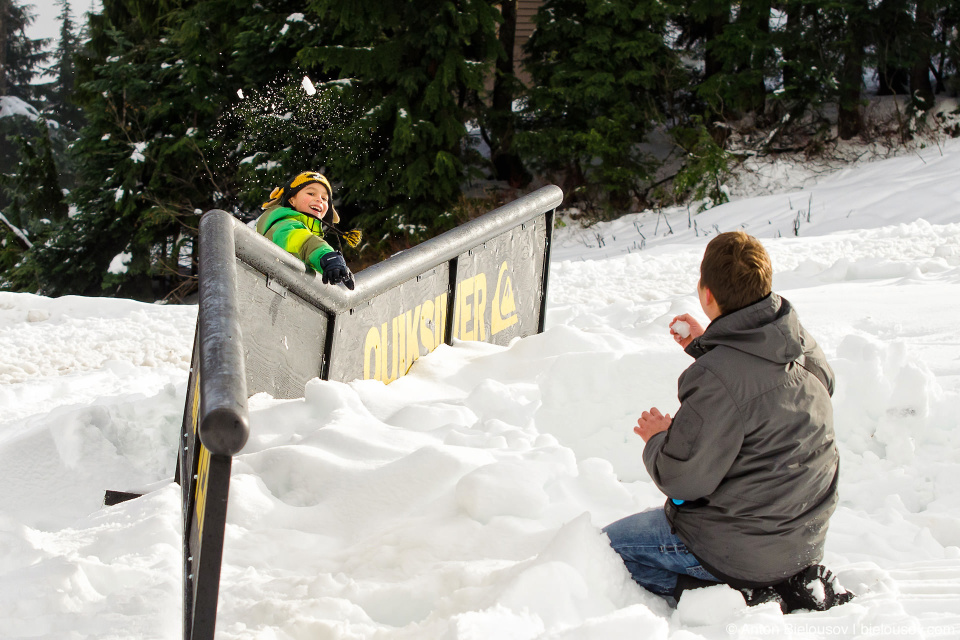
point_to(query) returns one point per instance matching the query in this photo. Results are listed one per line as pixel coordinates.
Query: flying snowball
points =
(681, 328)
(240, 93)
(308, 86)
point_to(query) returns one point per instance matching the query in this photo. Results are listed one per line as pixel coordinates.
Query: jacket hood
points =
(768, 329)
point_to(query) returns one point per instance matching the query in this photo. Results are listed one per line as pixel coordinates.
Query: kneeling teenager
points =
(749, 460)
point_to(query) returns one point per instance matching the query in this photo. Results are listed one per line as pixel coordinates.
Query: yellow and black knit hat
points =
(280, 196)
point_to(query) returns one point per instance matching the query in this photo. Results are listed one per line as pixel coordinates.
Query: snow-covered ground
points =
(465, 500)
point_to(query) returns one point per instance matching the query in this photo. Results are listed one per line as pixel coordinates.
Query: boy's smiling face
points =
(312, 200)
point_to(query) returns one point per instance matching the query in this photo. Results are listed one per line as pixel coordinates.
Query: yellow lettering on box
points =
(412, 322)
(374, 345)
(390, 351)
(464, 310)
(195, 413)
(427, 337)
(480, 307)
(384, 354)
(504, 310)
(203, 477)
(399, 339)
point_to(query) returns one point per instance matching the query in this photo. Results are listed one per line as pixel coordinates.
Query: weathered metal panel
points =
(283, 335)
(498, 297)
(499, 286)
(381, 338)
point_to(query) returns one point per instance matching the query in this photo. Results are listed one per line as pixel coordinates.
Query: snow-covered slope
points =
(466, 499)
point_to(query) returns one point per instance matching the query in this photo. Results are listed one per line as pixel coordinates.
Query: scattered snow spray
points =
(272, 114)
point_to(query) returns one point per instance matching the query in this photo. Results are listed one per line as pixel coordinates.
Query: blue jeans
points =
(653, 555)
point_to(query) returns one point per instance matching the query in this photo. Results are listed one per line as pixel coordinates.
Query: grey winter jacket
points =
(751, 449)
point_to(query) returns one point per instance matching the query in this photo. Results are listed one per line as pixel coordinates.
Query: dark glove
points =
(335, 270)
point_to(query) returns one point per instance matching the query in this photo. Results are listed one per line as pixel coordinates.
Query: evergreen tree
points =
(20, 61)
(739, 55)
(893, 57)
(853, 47)
(273, 129)
(34, 190)
(921, 89)
(700, 25)
(145, 159)
(947, 34)
(602, 74)
(36, 202)
(63, 69)
(409, 73)
(812, 58)
(499, 121)
(20, 56)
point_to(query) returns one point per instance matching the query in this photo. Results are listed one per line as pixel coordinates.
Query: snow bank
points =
(466, 499)
(874, 195)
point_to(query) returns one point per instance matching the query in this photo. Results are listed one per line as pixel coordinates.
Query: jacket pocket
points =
(683, 434)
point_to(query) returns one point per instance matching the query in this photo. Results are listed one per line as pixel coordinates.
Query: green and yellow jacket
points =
(298, 233)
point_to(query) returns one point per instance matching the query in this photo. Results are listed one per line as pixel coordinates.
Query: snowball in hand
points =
(681, 328)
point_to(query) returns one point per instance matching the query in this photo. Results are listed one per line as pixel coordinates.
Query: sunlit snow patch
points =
(138, 149)
(119, 263)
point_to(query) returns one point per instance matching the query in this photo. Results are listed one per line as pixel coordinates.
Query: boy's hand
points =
(695, 330)
(651, 423)
(335, 270)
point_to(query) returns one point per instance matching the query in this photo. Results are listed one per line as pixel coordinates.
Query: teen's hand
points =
(695, 330)
(651, 423)
(335, 269)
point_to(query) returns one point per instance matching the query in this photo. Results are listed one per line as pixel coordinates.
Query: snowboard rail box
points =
(266, 323)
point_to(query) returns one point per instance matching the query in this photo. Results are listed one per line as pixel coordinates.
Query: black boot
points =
(815, 588)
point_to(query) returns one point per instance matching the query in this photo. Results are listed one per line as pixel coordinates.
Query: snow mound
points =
(467, 499)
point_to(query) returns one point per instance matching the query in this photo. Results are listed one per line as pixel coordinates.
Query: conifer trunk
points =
(502, 95)
(921, 89)
(506, 162)
(712, 62)
(758, 12)
(849, 115)
(791, 45)
(4, 8)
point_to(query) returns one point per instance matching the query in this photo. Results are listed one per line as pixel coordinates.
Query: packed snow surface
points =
(465, 500)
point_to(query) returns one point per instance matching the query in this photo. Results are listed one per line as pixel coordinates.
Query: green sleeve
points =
(292, 236)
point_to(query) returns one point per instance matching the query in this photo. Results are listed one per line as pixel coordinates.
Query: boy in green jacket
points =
(292, 220)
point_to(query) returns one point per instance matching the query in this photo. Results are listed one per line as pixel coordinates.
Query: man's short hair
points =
(737, 270)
